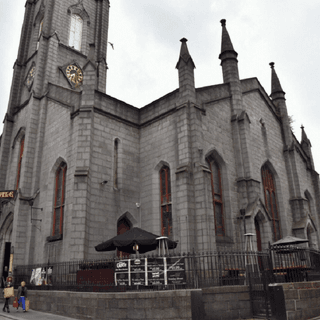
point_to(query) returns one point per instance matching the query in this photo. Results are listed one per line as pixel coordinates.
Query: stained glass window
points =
(59, 201)
(75, 32)
(166, 205)
(217, 198)
(271, 201)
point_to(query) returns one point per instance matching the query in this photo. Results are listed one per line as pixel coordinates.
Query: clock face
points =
(74, 74)
(31, 75)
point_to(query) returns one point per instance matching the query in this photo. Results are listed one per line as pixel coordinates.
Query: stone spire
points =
(278, 98)
(306, 146)
(226, 44)
(276, 89)
(228, 56)
(304, 137)
(185, 66)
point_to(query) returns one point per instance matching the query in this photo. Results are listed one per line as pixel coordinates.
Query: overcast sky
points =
(146, 35)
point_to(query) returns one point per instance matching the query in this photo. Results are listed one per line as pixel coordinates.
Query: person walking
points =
(6, 303)
(22, 295)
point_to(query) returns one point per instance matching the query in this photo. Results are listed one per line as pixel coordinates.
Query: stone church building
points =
(194, 165)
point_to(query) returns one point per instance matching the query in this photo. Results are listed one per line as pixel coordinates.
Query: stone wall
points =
(229, 302)
(165, 305)
(216, 303)
(302, 300)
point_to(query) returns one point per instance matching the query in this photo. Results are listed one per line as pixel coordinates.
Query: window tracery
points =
(166, 204)
(59, 200)
(271, 201)
(217, 200)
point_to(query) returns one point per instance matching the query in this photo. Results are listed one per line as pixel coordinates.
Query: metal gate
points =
(259, 273)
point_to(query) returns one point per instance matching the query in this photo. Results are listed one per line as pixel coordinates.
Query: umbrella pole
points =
(136, 249)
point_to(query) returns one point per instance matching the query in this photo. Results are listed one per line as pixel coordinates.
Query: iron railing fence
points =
(293, 264)
(281, 264)
(196, 270)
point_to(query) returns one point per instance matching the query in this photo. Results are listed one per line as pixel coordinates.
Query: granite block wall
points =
(215, 303)
(166, 305)
(228, 303)
(302, 300)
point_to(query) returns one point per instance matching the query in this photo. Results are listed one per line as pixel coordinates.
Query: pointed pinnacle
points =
(223, 22)
(184, 53)
(304, 136)
(226, 44)
(275, 82)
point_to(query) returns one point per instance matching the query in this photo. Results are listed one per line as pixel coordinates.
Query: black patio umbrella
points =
(146, 241)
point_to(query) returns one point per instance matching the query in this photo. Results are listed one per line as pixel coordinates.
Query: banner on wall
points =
(41, 276)
(8, 194)
(121, 274)
(138, 270)
(156, 271)
(176, 272)
(150, 272)
(36, 277)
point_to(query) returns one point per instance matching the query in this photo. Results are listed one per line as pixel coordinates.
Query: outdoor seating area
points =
(189, 270)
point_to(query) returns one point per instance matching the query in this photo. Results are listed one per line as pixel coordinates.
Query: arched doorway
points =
(258, 233)
(123, 225)
(5, 246)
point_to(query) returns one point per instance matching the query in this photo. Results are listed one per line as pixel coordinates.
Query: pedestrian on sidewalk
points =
(6, 303)
(22, 296)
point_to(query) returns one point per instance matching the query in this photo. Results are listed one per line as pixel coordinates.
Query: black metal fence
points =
(292, 264)
(196, 270)
(278, 265)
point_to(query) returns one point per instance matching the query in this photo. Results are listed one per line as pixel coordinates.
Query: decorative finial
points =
(271, 64)
(184, 40)
(302, 127)
(223, 22)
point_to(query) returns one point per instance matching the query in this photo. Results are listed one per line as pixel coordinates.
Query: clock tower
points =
(61, 62)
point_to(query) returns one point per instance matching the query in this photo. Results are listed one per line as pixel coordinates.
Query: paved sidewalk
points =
(30, 315)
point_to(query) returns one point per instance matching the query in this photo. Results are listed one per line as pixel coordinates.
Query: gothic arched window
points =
(39, 33)
(123, 226)
(20, 162)
(217, 201)
(166, 205)
(271, 201)
(59, 199)
(308, 202)
(75, 32)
